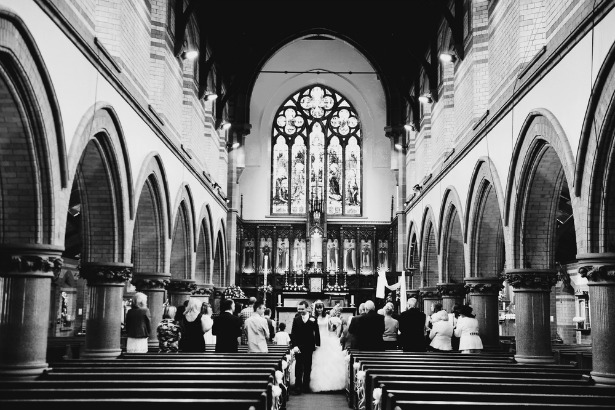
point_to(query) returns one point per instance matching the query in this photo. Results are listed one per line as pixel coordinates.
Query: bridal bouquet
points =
(265, 289)
(334, 322)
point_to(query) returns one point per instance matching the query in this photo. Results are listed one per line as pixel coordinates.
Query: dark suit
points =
(226, 328)
(412, 329)
(368, 330)
(306, 337)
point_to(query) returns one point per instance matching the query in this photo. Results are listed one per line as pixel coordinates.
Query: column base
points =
(101, 354)
(603, 378)
(534, 359)
(29, 371)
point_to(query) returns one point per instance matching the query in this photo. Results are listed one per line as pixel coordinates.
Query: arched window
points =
(316, 154)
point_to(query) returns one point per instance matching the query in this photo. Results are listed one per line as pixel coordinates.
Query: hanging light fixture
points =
(448, 57)
(210, 96)
(189, 54)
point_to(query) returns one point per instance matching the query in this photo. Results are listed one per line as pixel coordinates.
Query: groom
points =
(305, 338)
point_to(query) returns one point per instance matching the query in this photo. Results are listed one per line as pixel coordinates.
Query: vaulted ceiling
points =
(397, 37)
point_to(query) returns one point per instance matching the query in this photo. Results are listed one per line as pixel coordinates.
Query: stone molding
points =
(106, 273)
(429, 293)
(40, 260)
(598, 273)
(532, 279)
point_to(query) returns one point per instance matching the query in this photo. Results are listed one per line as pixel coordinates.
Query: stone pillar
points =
(103, 330)
(179, 291)
(451, 294)
(532, 289)
(26, 272)
(153, 286)
(599, 269)
(428, 296)
(484, 301)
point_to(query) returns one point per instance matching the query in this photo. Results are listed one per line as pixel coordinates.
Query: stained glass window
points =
(316, 153)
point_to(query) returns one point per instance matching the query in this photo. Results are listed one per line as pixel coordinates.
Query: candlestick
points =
(352, 300)
(279, 300)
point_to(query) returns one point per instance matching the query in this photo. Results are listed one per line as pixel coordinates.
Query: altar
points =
(286, 314)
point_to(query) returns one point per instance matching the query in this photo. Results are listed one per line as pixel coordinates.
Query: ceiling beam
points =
(181, 23)
(455, 24)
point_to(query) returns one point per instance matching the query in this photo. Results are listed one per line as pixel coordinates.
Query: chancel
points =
(436, 166)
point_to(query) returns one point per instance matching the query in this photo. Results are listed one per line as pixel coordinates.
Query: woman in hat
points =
(467, 331)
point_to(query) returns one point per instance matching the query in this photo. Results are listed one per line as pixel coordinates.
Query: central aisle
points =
(320, 401)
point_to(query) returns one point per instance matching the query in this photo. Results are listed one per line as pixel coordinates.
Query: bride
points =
(328, 363)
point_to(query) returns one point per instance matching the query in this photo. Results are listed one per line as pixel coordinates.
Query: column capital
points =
(181, 286)
(451, 289)
(532, 279)
(485, 286)
(597, 267)
(150, 281)
(106, 273)
(203, 290)
(429, 293)
(30, 260)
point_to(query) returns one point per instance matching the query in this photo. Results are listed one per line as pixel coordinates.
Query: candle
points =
(351, 300)
(279, 300)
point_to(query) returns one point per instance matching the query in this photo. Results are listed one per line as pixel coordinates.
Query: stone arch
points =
(413, 260)
(32, 147)
(182, 242)
(595, 170)
(484, 224)
(451, 240)
(429, 250)
(153, 217)
(98, 161)
(219, 273)
(204, 248)
(542, 164)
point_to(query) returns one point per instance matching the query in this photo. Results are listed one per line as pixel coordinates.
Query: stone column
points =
(26, 272)
(484, 301)
(106, 285)
(532, 289)
(599, 269)
(451, 294)
(179, 291)
(428, 296)
(153, 286)
(203, 293)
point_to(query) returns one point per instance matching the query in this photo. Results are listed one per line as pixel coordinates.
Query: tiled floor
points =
(318, 401)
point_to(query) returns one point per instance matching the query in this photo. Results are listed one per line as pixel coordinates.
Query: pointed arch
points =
(542, 165)
(33, 128)
(101, 179)
(152, 220)
(219, 274)
(183, 240)
(429, 250)
(451, 240)
(204, 248)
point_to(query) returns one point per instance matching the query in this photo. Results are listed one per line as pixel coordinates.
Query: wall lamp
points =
(209, 96)
(425, 98)
(448, 57)
(417, 188)
(225, 125)
(189, 54)
(400, 146)
(409, 127)
(234, 145)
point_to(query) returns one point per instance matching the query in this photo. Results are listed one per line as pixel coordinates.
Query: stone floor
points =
(318, 401)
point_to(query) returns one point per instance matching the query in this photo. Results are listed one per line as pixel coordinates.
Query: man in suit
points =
(257, 330)
(245, 313)
(270, 324)
(305, 338)
(368, 329)
(227, 328)
(412, 328)
(349, 340)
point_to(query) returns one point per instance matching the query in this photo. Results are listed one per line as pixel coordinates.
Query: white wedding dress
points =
(328, 362)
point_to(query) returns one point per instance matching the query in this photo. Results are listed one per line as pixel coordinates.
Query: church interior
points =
(454, 151)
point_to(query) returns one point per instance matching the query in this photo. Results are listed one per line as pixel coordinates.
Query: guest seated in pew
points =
(168, 331)
(282, 338)
(227, 328)
(412, 328)
(441, 331)
(391, 328)
(138, 324)
(467, 331)
(194, 324)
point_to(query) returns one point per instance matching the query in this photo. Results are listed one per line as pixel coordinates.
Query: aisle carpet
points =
(318, 401)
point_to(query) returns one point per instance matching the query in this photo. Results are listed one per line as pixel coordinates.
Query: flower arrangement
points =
(578, 319)
(335, 288)
(295, 287)
(265, 289)
(234, 292)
